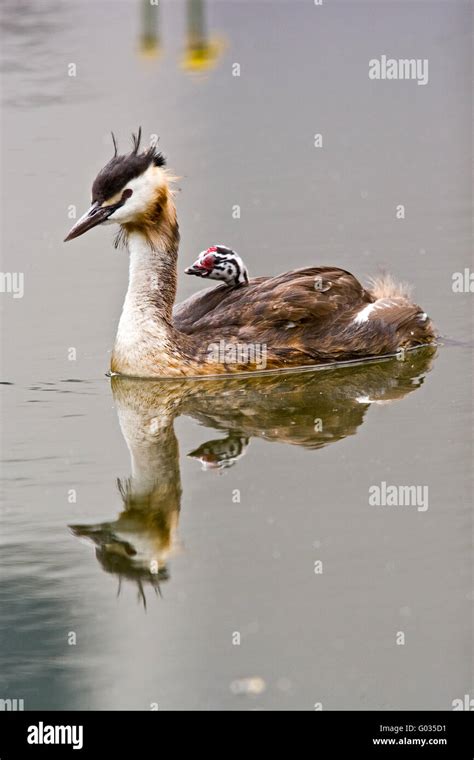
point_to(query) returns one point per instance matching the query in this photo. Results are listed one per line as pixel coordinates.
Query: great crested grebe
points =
(220, 263)
(303, 317)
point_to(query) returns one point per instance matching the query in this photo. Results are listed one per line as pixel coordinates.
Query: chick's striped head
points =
(220, 263)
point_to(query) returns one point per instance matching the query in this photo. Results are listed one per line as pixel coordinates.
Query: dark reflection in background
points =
(149, 40)
(201, 49)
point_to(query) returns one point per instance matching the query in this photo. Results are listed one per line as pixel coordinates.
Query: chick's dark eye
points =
(126, 194)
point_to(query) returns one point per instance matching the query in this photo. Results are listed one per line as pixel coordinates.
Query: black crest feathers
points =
(115, 145)
(136, 140)
(122, 169)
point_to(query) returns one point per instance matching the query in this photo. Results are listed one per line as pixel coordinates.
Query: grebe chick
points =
(220, 263)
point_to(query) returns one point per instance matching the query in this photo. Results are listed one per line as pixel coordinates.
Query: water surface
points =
(235, 489)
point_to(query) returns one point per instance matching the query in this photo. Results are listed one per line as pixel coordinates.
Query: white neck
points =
(142, 299)
(145, 323)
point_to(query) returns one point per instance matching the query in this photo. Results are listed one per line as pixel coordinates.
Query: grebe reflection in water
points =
(139, 543)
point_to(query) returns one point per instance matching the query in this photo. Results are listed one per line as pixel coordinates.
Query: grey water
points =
(202, 546)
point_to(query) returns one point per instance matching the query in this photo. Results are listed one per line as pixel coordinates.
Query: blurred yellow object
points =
(202, 56)
(149, 44)
(150, 48)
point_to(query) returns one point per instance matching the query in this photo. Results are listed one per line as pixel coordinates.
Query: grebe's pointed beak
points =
(197, 269)
(94, 216)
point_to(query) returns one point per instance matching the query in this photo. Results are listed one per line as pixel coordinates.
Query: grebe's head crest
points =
(126, 189)
(220, 263)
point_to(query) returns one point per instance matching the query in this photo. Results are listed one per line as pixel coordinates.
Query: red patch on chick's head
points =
(207, 261)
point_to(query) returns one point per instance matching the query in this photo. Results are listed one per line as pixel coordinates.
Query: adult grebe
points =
(303, 317)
